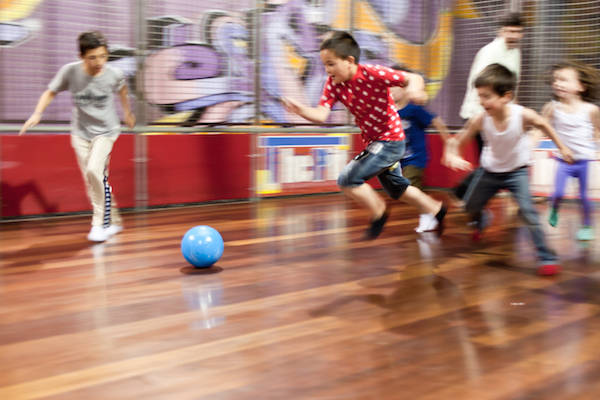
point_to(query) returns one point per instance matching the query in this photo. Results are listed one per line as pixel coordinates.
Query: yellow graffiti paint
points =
(297, 62)
(465, 9)
(432, 58)
(16, 9)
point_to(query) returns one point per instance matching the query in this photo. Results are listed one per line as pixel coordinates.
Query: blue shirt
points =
(415, 119)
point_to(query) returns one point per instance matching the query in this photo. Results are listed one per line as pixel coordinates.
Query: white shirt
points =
(493, 52)
(507, 150)
(576, 131)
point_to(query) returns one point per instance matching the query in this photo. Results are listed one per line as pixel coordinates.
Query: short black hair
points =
(498, 77)
(90, 41)
(512, 19)
(343, 45)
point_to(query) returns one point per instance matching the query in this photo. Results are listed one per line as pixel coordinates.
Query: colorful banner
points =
(300, 163)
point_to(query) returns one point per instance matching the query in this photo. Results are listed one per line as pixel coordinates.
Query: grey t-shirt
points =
(94, 111)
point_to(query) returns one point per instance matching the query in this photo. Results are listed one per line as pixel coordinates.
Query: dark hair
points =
(343, 45)
(512, 19)
(497, 77)
(90, 41)
(587, 75)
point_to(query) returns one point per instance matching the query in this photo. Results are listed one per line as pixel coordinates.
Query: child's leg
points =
(482, 188)
(397, 187)
(421, 201)
(82, 149)
(562, 173)
(581, 171)
(352, 182)
(414, 174)
(93, 169)
(518, 184)
(376, 159)
(582, 175)
(110, 203)
(366, 197)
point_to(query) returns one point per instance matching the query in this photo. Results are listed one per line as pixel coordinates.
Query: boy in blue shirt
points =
(415, 119)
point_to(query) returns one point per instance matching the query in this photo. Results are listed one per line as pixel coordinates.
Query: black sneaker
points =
(376, 227)
(440, 218)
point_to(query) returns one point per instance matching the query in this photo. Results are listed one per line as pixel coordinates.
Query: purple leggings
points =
(579, 170)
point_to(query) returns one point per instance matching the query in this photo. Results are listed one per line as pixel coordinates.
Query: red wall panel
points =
(40, 175)
(196, 168)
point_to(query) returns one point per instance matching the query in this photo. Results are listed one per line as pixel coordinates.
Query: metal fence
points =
(229, 62)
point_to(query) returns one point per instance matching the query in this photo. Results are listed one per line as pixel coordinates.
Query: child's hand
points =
(456, 163)
(31, 122)
(130, 120)
(567, 155)
(291, 105)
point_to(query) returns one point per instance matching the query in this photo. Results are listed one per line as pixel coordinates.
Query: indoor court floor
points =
(298, 307)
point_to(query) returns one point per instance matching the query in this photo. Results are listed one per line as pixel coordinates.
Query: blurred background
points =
(218, 65)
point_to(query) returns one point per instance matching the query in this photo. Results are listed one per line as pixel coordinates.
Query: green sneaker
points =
(585, 233)
(553, 218)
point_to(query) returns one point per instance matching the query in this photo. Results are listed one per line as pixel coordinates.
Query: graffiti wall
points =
(200, 60)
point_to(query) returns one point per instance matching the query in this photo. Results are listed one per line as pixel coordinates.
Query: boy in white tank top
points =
(505, 156)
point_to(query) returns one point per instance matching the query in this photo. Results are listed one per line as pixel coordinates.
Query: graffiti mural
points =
(16, 26)
(204, 72)
(201, 68)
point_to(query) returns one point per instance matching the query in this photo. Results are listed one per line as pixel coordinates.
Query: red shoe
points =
(548, 269)
(476, 235)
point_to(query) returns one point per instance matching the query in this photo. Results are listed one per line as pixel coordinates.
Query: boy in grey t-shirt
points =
(95, 124)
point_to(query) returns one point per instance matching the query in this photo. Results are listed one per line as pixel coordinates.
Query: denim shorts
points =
(381, 159)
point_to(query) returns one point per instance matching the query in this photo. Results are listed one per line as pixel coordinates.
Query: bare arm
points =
(441, 127)
(452, 158)
(531, 118)
(129, 116)
(317, 114)
(595, 115)
(416, 88)
(45, 99)
(548, 114)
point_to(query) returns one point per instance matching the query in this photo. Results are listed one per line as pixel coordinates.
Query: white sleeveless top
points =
(576, 131)
(508, 150)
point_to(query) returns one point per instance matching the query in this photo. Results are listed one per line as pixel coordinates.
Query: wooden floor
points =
(297, 308)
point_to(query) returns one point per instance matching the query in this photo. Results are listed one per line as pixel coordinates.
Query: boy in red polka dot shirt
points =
(364, 90)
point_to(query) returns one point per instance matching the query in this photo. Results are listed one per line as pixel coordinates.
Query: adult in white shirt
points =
(504, 50)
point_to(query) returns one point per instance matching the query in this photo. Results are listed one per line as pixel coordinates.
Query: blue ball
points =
(202, 246)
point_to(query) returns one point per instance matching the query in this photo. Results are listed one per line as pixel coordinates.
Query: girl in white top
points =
(505, 156)
(577, 122)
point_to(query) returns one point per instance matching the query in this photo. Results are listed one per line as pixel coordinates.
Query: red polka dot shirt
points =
(367, 97)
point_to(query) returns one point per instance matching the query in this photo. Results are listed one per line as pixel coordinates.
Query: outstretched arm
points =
(596, 123)
(452, 158)
(440, 126)
(45, 99)
(416, 88)
(129, 116)
(317, 114)
(532, 118)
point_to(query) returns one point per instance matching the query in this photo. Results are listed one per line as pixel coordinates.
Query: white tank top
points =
(576, 131)
(508, 150)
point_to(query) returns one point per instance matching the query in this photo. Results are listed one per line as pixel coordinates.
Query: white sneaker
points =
(427, 222)
(97, 234)
(113, 229)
